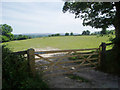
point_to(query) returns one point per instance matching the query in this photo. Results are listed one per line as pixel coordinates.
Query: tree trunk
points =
(116, 48)
(117, 20)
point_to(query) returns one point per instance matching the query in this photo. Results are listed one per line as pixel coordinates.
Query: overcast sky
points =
(40, 17)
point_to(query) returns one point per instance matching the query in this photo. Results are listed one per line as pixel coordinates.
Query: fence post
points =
(31, 60)
(99, 57)
(103, 54)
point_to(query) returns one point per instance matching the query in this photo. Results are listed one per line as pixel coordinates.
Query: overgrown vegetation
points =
(16, 73)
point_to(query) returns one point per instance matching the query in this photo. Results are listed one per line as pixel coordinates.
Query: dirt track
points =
(96, 79)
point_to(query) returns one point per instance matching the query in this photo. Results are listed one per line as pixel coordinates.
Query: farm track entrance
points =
(57, 62)
(64, 61)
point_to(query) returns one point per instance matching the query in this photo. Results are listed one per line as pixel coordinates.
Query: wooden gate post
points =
(31, 60)
(103, 54)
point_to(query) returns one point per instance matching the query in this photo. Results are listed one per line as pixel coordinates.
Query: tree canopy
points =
(6, 32)
(96, 14)
(8, 36)
(99, 15)
(6, 29)
(87, 32)
(71, 34)
(66, 34)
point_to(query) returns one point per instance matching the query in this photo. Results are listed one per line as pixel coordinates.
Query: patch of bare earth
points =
(96, 79)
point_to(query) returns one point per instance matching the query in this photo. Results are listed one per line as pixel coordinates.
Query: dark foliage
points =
(6, 32)
(71, 34)
(21, 37)
(66, 34)
(112, 59)
(95, 14)
(54, 35)
(87, 32)
(16, 73)
(111, 64)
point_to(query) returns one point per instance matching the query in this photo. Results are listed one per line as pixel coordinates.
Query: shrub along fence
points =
(16, 72)
(30, 53)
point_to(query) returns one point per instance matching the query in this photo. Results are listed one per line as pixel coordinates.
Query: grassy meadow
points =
(60, 42)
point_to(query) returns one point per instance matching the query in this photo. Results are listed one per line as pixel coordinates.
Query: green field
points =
(61, 42)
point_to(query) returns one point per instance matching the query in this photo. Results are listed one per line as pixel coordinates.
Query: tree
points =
(96, 33)
(84, 33)
(6, 29)
(71, 33)
(87, 32)
(66, 34)
(96, 14)
(6, 32)
(110, 32)
(5, 38)
(104, 31)
(99, 15)
(22, 37)
(57, 34)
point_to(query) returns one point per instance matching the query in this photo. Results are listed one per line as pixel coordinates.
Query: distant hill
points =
(35, 35)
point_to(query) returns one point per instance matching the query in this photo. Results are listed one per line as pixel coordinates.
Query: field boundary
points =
(84, 57)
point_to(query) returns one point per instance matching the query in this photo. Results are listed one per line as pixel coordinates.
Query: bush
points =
(5, 38)
(16, 73)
